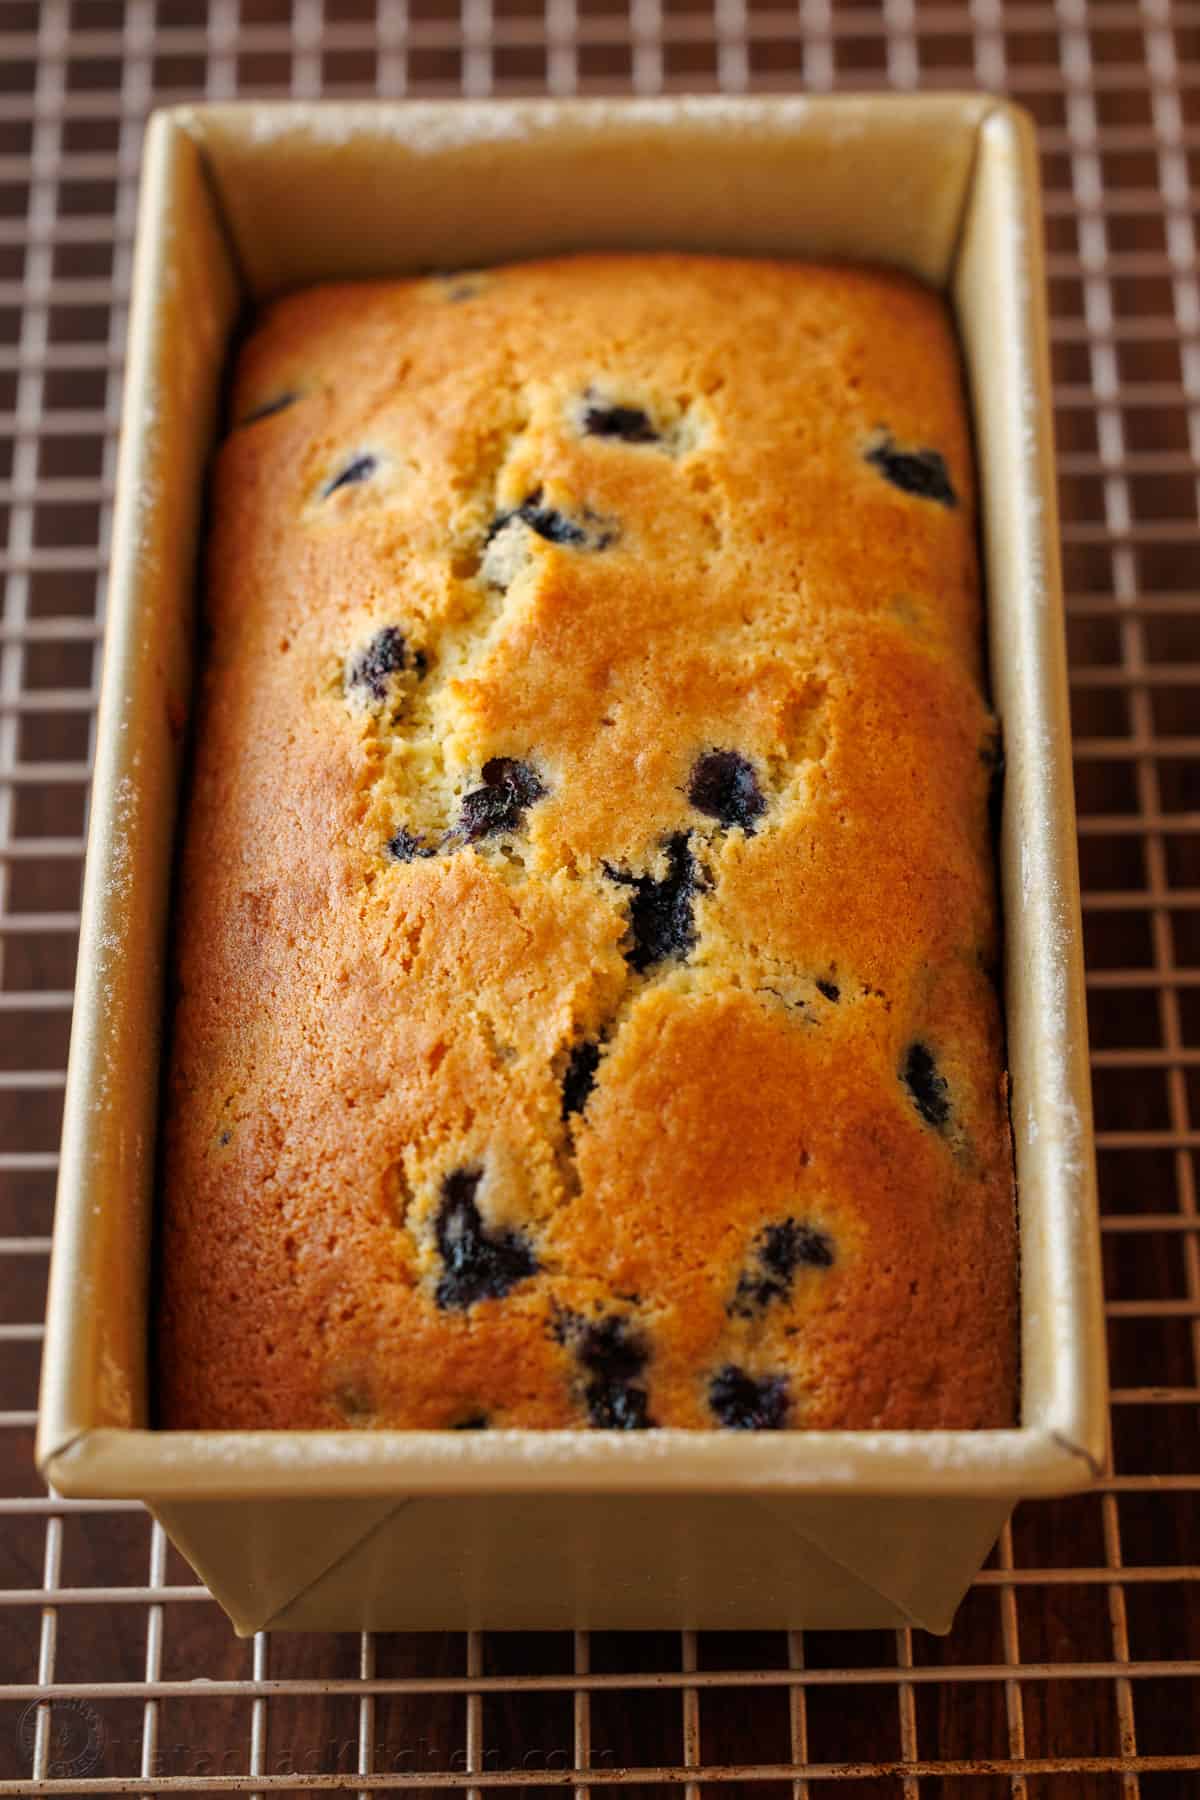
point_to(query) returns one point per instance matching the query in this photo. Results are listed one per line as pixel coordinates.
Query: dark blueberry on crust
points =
(660, 912)
(779, 1251)
(580, 1077)
(509, 772)
(546, 521)
(723, 785)
(475, 1422)
(556, 527)
(269, 408)
(359, 469)
(477, 1264)
(613, 1357)
(385, 655)
(618, 1408)
(922, 473)
(628, 423)
(795, 1244)
(403, 846)
(830, 989)
(509, 787)
(746, 1402)
(930, 1092)
(549, 523)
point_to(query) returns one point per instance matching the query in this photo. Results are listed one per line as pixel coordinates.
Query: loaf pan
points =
(419, 1530)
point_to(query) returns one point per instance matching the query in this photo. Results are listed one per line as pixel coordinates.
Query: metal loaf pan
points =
(517, 1529)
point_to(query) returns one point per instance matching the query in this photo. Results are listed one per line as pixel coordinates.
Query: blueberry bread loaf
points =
(586, 939)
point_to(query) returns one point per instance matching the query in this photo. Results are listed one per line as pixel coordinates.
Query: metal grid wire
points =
(1074, 1666)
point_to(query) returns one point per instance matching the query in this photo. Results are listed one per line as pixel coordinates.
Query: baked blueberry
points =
(269, 408)
(358, 469)
(549, 523)
(723, 785)
(385, 655)
(618, 1408)
(747, 1402)
(929, 1089)
(580, 1077)
(660, 912)
(509, 788)
(477, 1264)
(585, 532)
(922, 473)
(403, 846)
(830, 989)
(628, 423)
(779, 1251)
(613, 1356)
(546, 521)
(474, 1422)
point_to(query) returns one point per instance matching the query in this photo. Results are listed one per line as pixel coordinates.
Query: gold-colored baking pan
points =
(558, 1529)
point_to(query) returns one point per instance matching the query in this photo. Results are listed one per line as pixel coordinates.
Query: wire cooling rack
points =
(1074, 1666)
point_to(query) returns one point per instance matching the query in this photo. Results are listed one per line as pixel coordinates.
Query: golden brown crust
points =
(786, 1196)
